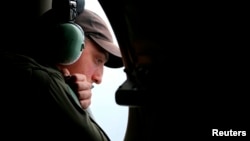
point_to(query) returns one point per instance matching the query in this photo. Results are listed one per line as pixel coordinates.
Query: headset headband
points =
(68, 9)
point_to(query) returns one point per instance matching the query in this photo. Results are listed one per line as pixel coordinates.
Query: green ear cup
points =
(71, 43)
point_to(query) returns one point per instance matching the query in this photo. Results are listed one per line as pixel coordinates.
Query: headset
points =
(62, 38)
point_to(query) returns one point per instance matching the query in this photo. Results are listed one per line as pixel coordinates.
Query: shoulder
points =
(28, 73)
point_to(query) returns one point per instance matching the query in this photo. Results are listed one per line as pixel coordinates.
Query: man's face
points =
(91, 63)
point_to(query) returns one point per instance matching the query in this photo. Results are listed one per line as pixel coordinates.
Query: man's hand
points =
(79, 84)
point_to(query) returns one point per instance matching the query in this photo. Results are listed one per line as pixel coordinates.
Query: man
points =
(44, 100)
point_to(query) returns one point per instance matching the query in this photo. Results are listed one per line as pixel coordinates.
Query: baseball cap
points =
(96, 29)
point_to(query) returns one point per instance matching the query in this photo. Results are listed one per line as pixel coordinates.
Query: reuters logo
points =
(217, 132)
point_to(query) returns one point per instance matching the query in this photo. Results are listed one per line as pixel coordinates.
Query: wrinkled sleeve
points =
(65, 114)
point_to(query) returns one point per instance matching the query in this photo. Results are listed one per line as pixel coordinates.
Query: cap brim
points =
(115, 58)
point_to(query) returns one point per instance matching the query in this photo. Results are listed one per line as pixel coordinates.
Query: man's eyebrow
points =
(105, 52)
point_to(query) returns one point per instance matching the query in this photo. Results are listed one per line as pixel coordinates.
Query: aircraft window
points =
(110, 116)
